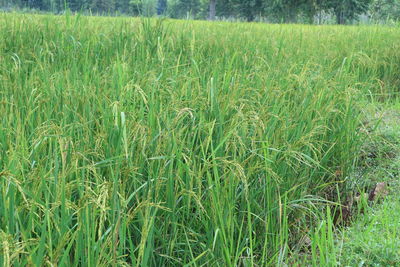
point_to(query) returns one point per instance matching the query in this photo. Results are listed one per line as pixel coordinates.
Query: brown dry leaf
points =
(380, 191)
(338, 173)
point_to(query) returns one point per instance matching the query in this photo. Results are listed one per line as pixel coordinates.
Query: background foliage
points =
(288, 11)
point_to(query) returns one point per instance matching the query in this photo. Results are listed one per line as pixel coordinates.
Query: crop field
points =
(145, 142)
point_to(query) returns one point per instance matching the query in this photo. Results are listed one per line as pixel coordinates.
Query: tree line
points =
(283, 11)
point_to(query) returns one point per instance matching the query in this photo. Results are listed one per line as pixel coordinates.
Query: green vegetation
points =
(167, 143)
(287, 11)
(373, 239)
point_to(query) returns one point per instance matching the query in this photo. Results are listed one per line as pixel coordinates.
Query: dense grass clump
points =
(164, 143)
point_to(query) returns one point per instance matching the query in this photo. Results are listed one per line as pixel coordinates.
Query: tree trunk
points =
(250, 17)
(212, 10)
(340, 18)
(161, 7)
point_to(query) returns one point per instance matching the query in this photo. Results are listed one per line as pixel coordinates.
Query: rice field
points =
(145, 142)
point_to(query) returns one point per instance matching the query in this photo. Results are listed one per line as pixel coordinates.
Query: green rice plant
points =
(140, 142)
(323, 243)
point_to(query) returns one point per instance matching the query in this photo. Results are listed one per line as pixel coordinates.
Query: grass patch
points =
(372, 240)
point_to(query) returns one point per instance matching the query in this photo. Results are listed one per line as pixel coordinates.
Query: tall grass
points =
(165, 143)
